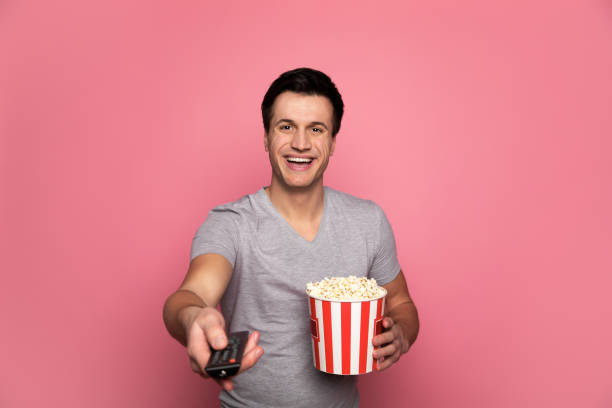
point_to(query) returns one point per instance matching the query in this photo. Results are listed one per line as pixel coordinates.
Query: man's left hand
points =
(392, 344)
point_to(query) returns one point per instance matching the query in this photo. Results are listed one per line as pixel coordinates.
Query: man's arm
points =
(204, 285)
(191, 316)
(401, 324)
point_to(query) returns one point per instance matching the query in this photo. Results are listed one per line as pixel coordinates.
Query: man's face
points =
(300, 140)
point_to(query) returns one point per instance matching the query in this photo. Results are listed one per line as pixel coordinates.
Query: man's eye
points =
(285, 127)
(316, 130)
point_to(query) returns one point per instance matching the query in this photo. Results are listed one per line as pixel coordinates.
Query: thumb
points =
(215, 333)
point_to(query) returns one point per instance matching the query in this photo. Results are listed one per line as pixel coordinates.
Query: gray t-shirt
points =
(267, 292)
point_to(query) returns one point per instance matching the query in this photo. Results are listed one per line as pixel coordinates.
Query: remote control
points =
(226, 362)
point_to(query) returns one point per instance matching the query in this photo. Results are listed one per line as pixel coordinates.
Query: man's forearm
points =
(406, 317)
(175, 309)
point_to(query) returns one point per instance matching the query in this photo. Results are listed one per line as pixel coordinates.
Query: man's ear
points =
(266, 140)
(333, 146)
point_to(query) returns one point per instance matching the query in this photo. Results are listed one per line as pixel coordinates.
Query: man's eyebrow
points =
(323, 125)
(284, 120)
(319, 124)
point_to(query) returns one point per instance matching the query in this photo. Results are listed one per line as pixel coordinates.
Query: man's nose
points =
(301, 140)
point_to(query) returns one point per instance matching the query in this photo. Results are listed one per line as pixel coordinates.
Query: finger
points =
(251, 358)
(387, 322)
(226, 383)
(197, 347)
(384, 338)
(388, 350)
(251, 342)
(252, 352)
(387, 362)
(383, 364)
(214, 330)
(195, 367)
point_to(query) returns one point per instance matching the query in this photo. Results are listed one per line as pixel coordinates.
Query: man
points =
(256, 255)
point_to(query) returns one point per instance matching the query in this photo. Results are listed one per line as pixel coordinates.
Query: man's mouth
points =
(299, 159)
(299, 163)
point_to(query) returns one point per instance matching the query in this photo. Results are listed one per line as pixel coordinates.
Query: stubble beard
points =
(317, 180)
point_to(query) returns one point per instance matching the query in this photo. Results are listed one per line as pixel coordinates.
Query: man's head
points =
(303, 81)
(301, 112)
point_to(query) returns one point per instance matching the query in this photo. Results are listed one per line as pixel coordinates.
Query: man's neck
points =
(298, 204)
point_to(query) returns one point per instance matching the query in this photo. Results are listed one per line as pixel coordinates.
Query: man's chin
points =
(300, 185)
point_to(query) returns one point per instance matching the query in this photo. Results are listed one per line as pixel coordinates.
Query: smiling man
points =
(255, 256)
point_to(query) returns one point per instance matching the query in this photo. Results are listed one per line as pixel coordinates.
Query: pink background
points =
(482, 128)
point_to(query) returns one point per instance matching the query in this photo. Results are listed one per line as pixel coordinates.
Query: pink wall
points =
(483, 128)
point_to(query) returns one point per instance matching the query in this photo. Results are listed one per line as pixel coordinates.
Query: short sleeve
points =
(385, 265)
(218, 234)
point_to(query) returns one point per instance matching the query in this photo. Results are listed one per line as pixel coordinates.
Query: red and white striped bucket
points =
(342, 333)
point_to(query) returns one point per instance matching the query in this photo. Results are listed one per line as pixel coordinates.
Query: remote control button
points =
(225, 355)
(215, 358)
(232, 360)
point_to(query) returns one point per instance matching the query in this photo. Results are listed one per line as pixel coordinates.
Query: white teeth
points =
(299, 159)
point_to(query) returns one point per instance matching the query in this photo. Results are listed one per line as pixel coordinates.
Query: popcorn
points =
(341, 288)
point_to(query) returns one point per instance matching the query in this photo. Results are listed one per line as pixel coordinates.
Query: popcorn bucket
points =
(342, 333)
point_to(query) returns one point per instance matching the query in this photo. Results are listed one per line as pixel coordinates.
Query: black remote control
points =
(226, 362)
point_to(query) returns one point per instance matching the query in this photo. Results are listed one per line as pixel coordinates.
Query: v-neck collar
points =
(322, 225)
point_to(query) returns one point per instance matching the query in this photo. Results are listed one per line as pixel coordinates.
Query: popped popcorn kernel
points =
(343, 288)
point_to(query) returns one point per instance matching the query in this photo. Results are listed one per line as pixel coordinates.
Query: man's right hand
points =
(205, 328)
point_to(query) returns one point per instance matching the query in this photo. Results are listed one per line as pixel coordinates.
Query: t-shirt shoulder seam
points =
(395, 275)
